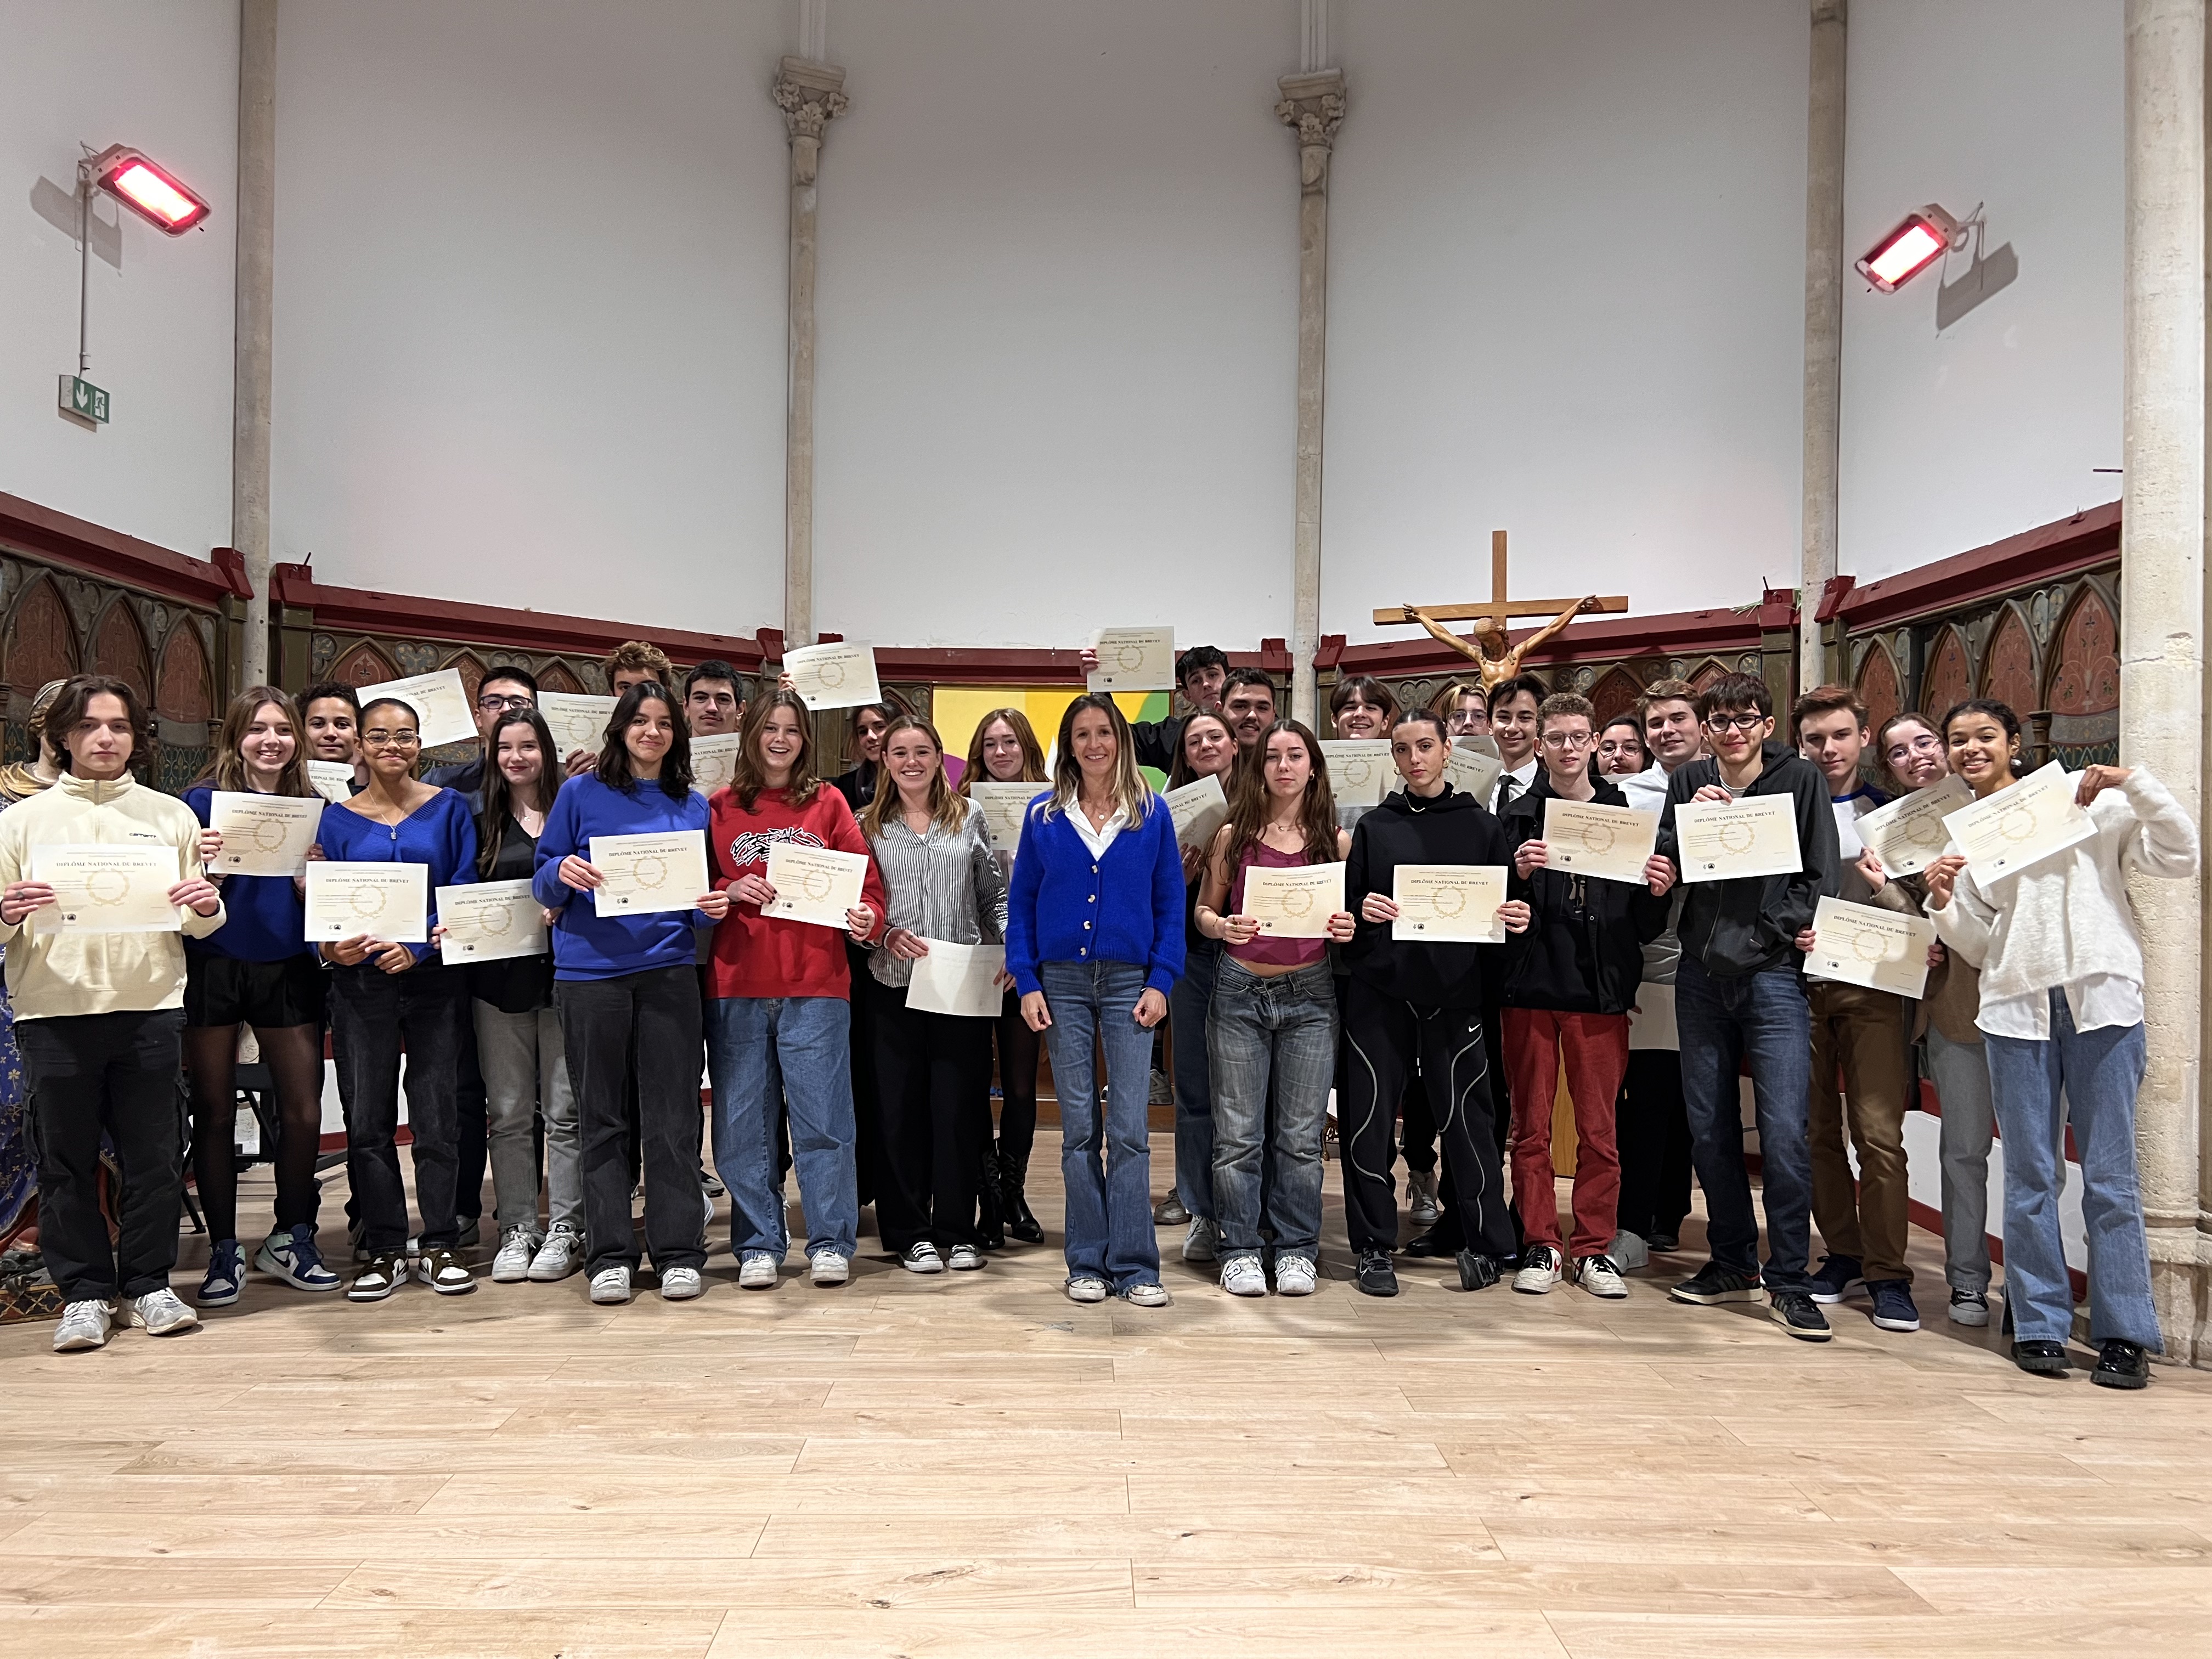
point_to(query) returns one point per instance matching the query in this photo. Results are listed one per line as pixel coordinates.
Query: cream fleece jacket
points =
(2067, 918)
(52, 975)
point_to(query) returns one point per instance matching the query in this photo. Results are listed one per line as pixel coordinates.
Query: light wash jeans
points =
(1265, 1031)
(1960, 1073)
(1193, 1091)
(2099, 1072)
(760, 1050)
(1105, 1159)
(525, 1073)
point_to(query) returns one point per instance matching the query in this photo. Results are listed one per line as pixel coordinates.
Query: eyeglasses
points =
(492, 703)
(392, 740)
(1926, 744)
(1751, 722)
(1620, 746)
(1566, 740)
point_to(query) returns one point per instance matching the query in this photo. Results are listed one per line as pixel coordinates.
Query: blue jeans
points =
(2099, 1072)
(1193, 1094)
(760, 1050)
(1263, 1031)
(1107, 1167)
(1765, 1018)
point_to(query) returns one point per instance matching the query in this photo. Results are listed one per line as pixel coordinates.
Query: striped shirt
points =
(944, 884)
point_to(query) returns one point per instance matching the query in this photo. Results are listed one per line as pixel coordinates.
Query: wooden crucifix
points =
(1493, 660)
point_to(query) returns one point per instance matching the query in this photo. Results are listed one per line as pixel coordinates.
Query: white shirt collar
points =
(1101, 838)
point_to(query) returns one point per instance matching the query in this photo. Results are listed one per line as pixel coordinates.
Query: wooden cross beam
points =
(1499, 608)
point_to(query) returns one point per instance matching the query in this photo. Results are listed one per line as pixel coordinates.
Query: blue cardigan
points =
(440, 833)
(586, 944)
(1125, 907)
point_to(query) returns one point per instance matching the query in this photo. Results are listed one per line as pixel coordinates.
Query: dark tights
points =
(1019, 1050)
(294, 1055)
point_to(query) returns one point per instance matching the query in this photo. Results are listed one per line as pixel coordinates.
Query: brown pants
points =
(1862, 1033)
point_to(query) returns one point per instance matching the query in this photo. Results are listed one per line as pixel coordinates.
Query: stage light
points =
(157, 195)
(1917, 243)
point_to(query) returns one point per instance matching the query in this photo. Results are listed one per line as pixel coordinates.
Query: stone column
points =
(253, 277)
(1824, 328)
(1312, 107)
(810, 95)
(2162, 708)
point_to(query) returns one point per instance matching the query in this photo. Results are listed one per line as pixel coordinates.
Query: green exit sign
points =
(84, 400)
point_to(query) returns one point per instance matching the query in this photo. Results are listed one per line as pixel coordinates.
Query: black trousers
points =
(1653, 1133)
(933, 1081)
(121, 1075)
(867, 1091)
(653, 1016)
(374, 1015)
(471, 1121)
(1019, 1048)
(1382, 1035)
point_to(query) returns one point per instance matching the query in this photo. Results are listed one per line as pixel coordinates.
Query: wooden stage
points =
(971, 1465)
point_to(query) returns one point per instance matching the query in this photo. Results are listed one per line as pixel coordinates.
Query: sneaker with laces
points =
(1629, 1252)
(964, 1258)
(829, 1267)
(1838, 1276)
(1798, 1314)
(1893, 1307)
(1146, 1295)
(1170, 1213)
(1242, 1275)
(1295, 1275)
(1376, 1276)
(1477, 1271)
(161, 1313)
(385, 1272)
(1085, 1288)
(707, 1206)
(1203, 1242)
(611, 1285)
(921, 1257)
(1421, 1195)
(681, 1283)
(84, 1325)
(1714, 1283)
(1970, 1308)
(226, 1275)
(517, 1249)
(757, 1271)
(561, 1254)
(442, 1269)
(1540, 1270)
(1601, 1276)
(293, 1256)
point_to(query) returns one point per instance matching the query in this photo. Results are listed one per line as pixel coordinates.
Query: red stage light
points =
(1909, 249)
(157, 195)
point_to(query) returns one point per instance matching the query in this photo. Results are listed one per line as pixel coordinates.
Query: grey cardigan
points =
(944, 885)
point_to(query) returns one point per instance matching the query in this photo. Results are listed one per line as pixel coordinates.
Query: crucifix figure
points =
(1494, 660)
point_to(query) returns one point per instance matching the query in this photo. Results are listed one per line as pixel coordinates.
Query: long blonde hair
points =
(1131, 793)
(948, 810)
(1032, 750)
(227, 771)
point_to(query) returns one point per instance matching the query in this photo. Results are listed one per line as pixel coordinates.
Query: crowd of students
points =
(1653, 997)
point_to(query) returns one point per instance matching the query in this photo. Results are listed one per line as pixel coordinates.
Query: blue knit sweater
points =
(1063, 906)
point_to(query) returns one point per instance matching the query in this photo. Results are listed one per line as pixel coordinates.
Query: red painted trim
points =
(1674, 634)
(44, 534)
(970, 666)
(1832, 593)
(2087, 539)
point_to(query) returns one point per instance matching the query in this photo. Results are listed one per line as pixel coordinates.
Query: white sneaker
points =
(1540, 1270)
(1242, 1275)
(611, 1285)
(922, 1258)
(1421, 1190)
(756, 1271)
(1146, 1295)
(160, 1312)
(830, 1267)
(443, 1271)
(965, 1258)
(1600, 1276)
(681, 1283)
(517, 1249)
(1629, 1252)
(561, 1254)
(707, 1199)
(84, 1325)
(1294, 1276)
(1203, 1242)
(1087, 1288)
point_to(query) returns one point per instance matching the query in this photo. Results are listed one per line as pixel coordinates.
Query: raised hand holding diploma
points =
(1610, 843)
(577, 719)
(332, 780)
(1473, 771)
(714, 761)
(353, 900)
(440, 703)
(1133, 659)
(818, 886)
(648, 874)
(1297, 902)
(1908, 834)
(1198, 809)
(1726, 840)
(2021, 824)
(1858, 944)
(1003, 805)
(1449, 903)
(1360, 769)
(100, 889)
(835, 676)
(262, 834)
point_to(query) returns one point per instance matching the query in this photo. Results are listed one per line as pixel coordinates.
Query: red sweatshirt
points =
(756, 955)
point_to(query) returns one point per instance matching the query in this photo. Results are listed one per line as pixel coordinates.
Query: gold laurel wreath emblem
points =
(1737, 837)
(106, 887)
(832, 674)
(1297, 902)
(1128, 657)
(650, 871)
(1448, 901)
(816, 885)
(2017, 823)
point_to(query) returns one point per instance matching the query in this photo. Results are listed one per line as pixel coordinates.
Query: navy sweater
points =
(440, 833)
(1127, 906)
(266, 920)
(586, 944)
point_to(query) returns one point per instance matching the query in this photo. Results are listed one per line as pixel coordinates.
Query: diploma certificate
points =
(816, 885)
(839, 675)
(108, 889)
(1908, 834)
(1472, 771)
(333, 779)
(1727, 839)
(1858, 944)
(1134, 660)
(2021, 823)
(714, 761)
(958, 979)
(1004, 806)
(577, 721)
(1360, 769)
(440, 703)
(490, 921)
(1199, 809)
(388, 901)
(263, 835)
(1296, 902)
(1449, 903)
(651, 873)
(1611, 843)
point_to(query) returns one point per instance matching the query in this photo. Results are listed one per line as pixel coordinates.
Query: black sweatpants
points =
(122, 1074)
(373, 1014)
(1383, 1035)
(653, 1016)
(933, 1083)
(1654, 1135)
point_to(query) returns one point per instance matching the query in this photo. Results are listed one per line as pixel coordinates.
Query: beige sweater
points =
(51, 974)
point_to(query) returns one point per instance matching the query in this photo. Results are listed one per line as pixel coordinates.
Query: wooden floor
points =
(973, 1466)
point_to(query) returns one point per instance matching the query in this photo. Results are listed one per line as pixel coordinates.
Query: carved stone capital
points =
(1312, 107)
(811, 96)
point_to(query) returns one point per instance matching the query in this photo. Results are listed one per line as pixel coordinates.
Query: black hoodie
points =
(1446, 829)
(1584, 951)
(1751, 925)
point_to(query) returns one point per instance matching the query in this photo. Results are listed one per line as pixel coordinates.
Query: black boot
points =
(991, 1230)
(1019, 1221)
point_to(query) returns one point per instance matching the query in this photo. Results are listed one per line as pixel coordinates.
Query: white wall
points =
(530, 278)
(1566, 300)
(163, 79)
(1952, 441)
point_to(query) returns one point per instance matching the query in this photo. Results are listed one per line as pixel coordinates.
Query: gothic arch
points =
(1946, 680)
(1615, 694)
(1878, 685)
(362, 664)
(2085, 667)
(184, 692)
(2008, 665)
(42, 642)
(118, 647)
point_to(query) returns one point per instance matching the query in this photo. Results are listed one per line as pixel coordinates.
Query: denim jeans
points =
(1722, 1022)
(764, 1053)
(1193, 1091)
(2099, 1072)
(1270, 1035)
(526, 1077)
(372, 1013)
(1105, 1159)
(1960, 1073)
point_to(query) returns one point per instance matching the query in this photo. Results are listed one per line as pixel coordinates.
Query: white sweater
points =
(2065, 920)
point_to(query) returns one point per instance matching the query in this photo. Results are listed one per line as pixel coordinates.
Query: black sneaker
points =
(1893, 1307)
(2042, 1359)
(1795, 1312)
(1662, 1242)
(1427, 1244)
(1838, 1276)
(2123, 1364)
(1477, 1271)
(1713, 1284)
(1377, 1276)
